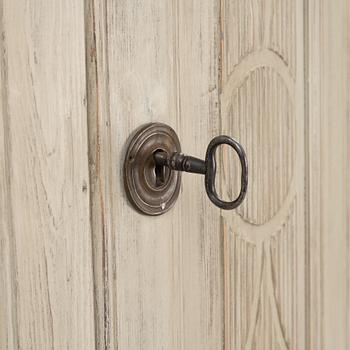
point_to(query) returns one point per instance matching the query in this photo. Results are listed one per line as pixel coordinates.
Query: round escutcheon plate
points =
(152, 190)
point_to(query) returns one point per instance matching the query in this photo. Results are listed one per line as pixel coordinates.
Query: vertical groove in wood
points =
(46, 256)
(100, 191)
(227, 267)
(313, 306)
(8, 265)
(178, 295)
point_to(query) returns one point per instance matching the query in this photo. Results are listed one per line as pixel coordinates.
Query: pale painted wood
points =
(272, 275)
(329, 168)
(262, 105)
(313, 185)
(158, 280)
(45, 243)
(265, 265)
(335, 174)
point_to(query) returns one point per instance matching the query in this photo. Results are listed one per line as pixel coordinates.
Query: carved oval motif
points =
(261, 117)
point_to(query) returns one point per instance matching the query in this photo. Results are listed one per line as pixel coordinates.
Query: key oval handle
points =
(210, 173)
(180, 162)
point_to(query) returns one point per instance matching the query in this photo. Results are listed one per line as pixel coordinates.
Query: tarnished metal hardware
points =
(180, 162)
(211, 172)
(151, 189)
(154, 163)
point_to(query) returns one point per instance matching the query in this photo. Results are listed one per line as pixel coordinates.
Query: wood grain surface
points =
(158, 280)
(45, 242)
(80, 269)
(329, 174)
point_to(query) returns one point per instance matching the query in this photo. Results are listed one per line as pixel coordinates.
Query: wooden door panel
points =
(262, 106)
(161, 276)
(45, 244)
(329, 173)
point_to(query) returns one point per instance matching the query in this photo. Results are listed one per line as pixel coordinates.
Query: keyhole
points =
(159, 171)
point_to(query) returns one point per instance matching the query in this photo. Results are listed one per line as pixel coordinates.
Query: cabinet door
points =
(80, 268)
(198, 277)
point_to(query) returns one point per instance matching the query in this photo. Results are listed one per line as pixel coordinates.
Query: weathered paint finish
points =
(159, 280)
(80, 269)
(45, 241)
(262, 105)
